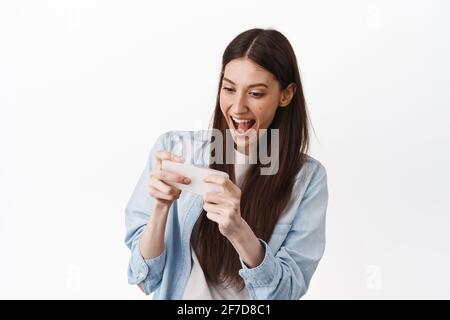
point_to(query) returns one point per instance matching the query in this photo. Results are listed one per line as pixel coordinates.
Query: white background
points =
(87, 86)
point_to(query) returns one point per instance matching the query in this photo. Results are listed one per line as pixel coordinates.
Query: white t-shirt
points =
(198, 287)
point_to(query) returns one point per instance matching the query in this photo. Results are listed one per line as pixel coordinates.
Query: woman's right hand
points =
(163, 193)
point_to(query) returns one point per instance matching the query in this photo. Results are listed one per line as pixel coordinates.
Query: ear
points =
(287, 95)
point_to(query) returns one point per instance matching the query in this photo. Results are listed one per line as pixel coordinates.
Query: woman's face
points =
(249, 98)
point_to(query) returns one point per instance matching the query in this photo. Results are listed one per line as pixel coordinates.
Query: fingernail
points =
(186, 180)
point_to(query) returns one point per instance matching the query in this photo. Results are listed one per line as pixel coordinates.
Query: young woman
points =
(263, 236)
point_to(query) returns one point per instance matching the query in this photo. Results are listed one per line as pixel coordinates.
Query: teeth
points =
(242, 120)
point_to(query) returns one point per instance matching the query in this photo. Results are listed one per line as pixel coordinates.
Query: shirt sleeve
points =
(137, 214)
(286, 274)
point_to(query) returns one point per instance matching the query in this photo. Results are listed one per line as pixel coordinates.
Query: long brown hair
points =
(263, 197)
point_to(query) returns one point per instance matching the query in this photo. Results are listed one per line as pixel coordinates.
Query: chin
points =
(244, 140)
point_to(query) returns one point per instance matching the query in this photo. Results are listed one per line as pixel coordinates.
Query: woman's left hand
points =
(224, 208)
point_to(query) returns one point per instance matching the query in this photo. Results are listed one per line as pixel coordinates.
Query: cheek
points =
(223, 103)
(265, 113)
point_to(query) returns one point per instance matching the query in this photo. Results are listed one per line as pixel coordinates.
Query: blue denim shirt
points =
(291, 255)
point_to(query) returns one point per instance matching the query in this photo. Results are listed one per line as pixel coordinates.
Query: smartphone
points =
(196, 174)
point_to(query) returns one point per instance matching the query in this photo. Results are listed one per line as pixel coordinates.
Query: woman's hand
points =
(163, 193)
(224, 208)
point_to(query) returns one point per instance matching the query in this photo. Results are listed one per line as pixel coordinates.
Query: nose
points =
(239, 104)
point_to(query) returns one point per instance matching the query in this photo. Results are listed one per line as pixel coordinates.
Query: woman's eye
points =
(256, 94)
(227, 89)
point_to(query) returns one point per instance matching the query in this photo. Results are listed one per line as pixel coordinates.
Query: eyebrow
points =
(250, 86)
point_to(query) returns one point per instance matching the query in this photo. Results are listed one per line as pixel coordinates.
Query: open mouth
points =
(243, 125)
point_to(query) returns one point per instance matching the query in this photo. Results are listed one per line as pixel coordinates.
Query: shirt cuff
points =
(264, 274)
(141, 269)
